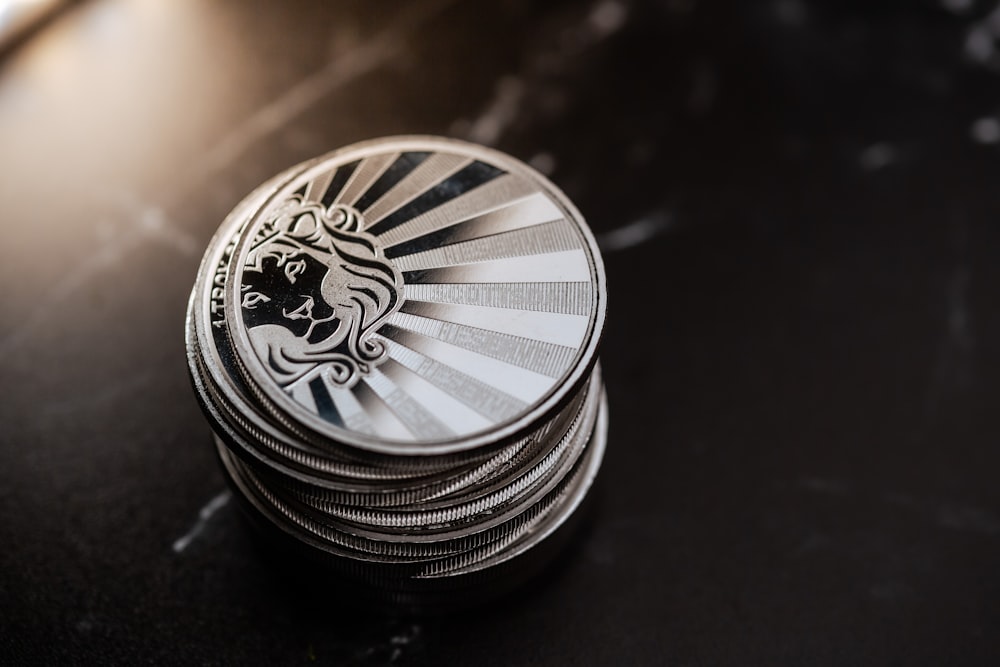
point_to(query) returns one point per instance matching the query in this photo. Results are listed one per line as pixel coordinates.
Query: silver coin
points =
(435, 555)
(415, 296)
(396, 346)
(233, 402)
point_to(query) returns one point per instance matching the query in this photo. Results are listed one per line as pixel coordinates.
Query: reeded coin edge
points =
(386, 572)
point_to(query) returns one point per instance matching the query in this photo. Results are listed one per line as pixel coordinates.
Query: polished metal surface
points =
(396, 346)
(415, 291)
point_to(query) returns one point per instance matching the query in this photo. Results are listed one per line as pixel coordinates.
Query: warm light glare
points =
(19, 15)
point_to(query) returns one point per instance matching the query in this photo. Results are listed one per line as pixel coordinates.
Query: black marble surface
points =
(799, 207)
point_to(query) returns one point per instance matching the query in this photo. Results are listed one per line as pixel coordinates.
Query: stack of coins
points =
(396, 347)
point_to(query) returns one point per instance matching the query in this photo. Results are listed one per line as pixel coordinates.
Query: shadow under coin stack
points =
(396, 347)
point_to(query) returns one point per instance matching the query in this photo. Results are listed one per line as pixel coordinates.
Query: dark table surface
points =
(799, 208)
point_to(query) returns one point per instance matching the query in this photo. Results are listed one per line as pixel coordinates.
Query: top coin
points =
(416, 295)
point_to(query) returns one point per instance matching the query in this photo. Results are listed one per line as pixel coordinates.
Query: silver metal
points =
(488, 268)
(396, 346)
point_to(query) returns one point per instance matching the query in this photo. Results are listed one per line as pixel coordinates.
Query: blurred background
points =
(798, 206)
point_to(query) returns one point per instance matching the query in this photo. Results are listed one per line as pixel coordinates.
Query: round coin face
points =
(415, 295)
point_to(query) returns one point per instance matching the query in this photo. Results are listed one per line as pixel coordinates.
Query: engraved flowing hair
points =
(361, 286)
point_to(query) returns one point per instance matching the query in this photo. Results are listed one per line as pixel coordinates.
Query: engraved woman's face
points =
(288, 292)
(314, 288)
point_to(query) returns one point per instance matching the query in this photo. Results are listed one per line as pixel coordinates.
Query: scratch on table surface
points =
(826, 486)
(544, 162)
(948, 514)
(154, 223)
(511, 91)
(86, 623)
(607, 17)
(95, 262)
(985, 130)
(877, 156)
(392, 649)
(889, 591)
(204, 514)
(967, 519)
(499, 113)
(635, 233)
(792, 13)
(958, 6)
(954, 367)
(814, 541)
(338, 72)
(979, 44)
(704, 88)
(147, 223)
(959, 326)
(981, 38)
(944, 513)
